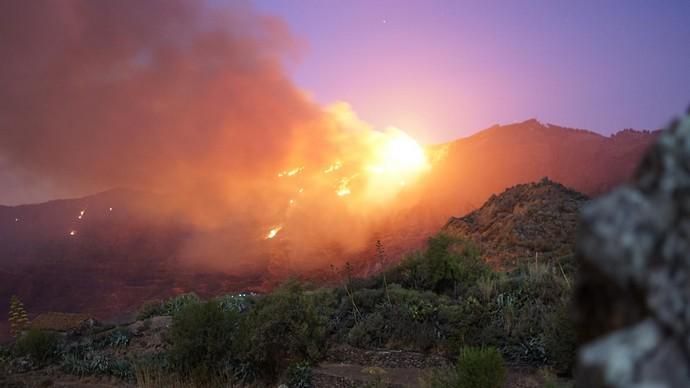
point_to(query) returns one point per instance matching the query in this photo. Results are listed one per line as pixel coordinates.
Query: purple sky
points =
(445, 69)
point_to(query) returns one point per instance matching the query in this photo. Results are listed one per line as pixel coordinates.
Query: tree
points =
(18, 319)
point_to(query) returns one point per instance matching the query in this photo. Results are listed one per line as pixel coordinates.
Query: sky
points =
(217, 88)
(443, 69)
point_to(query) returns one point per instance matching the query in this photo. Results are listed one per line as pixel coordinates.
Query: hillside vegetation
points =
(444, 300)
(445, 311)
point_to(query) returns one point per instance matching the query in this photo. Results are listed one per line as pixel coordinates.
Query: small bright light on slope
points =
(273, 232)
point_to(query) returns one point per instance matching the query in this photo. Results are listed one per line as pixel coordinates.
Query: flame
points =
(81, 214)
(292, 172)
(343, 188)
(333, 167)
(369, 171)
(72, 232)
(273, 232)
(398, 154)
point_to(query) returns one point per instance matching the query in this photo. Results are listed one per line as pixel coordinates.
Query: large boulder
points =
(633, 296)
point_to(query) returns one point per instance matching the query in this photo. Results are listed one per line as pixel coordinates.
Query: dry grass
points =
(157, 378)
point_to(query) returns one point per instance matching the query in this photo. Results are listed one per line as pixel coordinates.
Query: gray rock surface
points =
(633, 297)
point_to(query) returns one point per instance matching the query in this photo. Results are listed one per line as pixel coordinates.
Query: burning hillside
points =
(240, 178)
(191, 101)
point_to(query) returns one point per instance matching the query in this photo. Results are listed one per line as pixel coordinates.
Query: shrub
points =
(119, 337)
(168, 307)
(40, 346)
(176, 304)
(5, 355)
(202, 338)
(284, 327)
(449, 266)
(238, 303)
(299, 375)
(91, 363)
(480, 368)
(560, 340)
(372, 331)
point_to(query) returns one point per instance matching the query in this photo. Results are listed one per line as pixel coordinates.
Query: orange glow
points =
(292, 172)
(273, 232)
(343, 189)
(333, 167)
(401, 153)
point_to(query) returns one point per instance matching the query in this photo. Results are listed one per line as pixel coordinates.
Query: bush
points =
(449, 266)
(119, 337)
(39, 345)
(285, 327)
(480, 368)
(5, 355)
(91, 363)
(560, 340)
(238, 303)
(372, 331)
(202, 338)
(299, 375)
(168, 307)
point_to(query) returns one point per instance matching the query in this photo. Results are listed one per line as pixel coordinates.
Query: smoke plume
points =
(189, 100)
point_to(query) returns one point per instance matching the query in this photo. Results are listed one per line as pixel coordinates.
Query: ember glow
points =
(343, 190)
(291, 172)
(273, 232)
(401, 154)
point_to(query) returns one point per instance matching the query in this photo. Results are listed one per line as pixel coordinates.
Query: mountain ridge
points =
(138, 258)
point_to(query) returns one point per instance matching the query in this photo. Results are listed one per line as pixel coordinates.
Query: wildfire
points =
(333, 167)
(273, 232)
(72, 232)
(292, 172)
(371, 173)
(398, 154)
(343, 188)
(81, 214)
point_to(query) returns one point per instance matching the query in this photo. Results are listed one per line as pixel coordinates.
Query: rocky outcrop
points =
(633, 299)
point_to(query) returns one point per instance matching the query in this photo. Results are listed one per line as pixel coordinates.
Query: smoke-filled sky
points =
(212, 98)
(442, 69)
